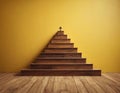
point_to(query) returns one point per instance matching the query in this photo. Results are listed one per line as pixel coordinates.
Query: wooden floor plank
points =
(114, 75)
(13, 85)
(93, 84)
(80, 87)
(35, 87)
(70, 84)
(107, 83)
(111, 82)
(18, 87)
(2, 75)
(42, 83)
(27, 86)
(59, 85)
(104, 85)
(6, 78)
(117, 73)
(50, 85)
(89, 88)
(117, 86)
(111, 79)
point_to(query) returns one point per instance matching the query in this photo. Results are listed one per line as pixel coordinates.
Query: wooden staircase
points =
(60, 58)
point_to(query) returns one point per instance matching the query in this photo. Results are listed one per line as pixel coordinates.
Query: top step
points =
(60, 33)
(60, 37)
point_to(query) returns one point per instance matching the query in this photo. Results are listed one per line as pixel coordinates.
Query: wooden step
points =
(60, 45)
(60, 37)
(61, 66)
(60, 60)
(60, 41)
(60, 33)
(60, 55)
(60, 72)
(60, 50)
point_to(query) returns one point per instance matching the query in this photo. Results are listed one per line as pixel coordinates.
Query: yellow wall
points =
(27, 25)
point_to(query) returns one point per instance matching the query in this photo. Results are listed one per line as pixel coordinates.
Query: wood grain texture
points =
(61, 45)
(60, 37)
(107, 83)
(60, 41)
(60, 50)
(60, 55)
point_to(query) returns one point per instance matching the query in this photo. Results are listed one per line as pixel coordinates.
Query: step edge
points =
(61, 48)
(67, 58)
(61, 43)
(63, 69)
(61, 53)
(60, 39)
(60, 35)
(60, 64)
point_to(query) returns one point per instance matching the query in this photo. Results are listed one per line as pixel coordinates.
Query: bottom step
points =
(60, 72)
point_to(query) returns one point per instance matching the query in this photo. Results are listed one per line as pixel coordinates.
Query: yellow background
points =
(26, 26)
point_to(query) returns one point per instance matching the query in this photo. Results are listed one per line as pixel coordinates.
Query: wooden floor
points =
(107, 83)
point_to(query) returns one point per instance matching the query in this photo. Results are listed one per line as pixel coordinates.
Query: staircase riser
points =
(60, 46)
(61, 41)
(60, 51)
(61, 61)
(61, 67)
(61, 55)
(61, 73)
(60, 37)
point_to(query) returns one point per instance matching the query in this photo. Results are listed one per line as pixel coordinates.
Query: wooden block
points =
(60, 72)
(60, 41)
(60, 55)
(60, 60)
(60, 33)
(60, 45)
(60, 50)
(61, 66)
(60, 37)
